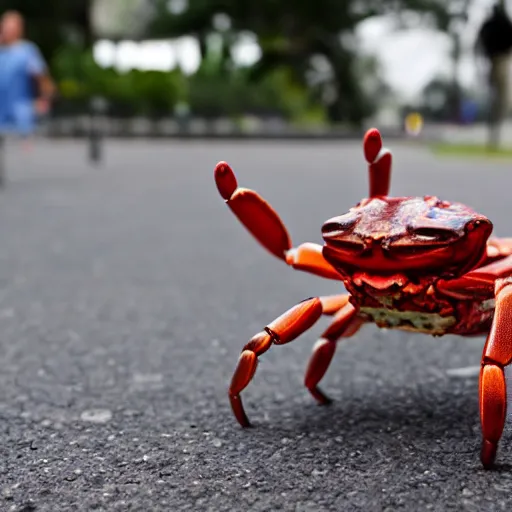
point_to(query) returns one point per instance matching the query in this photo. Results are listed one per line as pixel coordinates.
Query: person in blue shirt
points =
(26, 87)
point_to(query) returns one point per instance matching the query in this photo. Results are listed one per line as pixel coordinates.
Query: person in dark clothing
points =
(495, 35)
(495, 42)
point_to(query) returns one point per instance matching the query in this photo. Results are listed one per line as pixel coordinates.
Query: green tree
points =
(150, 93)
(293, 33)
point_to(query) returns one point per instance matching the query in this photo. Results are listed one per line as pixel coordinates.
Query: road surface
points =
(126, 295)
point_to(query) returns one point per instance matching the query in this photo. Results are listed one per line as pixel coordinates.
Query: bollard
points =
(98, 107)
(2, 161)
(182, 115)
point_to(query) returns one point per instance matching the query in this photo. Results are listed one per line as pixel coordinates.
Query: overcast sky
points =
(410, 59)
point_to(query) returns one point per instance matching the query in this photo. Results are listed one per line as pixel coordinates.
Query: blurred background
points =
(157, 67)
(126, 295)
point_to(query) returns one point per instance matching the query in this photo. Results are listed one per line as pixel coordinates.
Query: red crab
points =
(413, 263)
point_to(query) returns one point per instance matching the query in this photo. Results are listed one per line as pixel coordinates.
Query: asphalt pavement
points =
(126, 294)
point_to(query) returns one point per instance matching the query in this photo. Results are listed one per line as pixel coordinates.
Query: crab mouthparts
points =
(380, 283)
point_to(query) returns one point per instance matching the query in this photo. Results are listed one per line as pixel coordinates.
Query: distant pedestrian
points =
(26, 88)
(495, 42)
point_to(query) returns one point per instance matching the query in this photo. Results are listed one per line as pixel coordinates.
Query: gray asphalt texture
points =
(126, 295)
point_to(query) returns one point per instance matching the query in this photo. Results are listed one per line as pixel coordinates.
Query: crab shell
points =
(419, 237)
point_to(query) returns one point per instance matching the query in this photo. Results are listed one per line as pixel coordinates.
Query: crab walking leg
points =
(480, 282)
(282, 330)
(498, 248)
(379, 160)
(332, 304)
(263, 222)
(345, 324)
(497, 355)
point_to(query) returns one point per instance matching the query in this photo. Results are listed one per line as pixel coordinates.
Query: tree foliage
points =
(208, 93)
(293, 33)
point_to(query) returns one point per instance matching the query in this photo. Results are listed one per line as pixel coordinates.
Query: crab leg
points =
(345, 324)
(331, 304)
(379, 160)
(263, 222)
(282, 330)
(497, 355)
(480, 281)
(488, 281)
(498, 248)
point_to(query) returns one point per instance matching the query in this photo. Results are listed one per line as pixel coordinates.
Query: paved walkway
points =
(126, 295)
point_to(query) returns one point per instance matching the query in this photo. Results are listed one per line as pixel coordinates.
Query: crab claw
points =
(259, 218)
(225, 180)
(372, 144)
(264, 223)
(380, 161)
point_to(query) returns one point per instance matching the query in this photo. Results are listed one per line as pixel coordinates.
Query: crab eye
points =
(338, 225)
